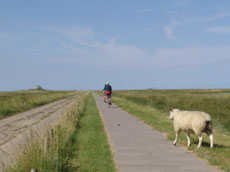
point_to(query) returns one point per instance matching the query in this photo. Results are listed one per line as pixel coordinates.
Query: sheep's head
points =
(171, 114)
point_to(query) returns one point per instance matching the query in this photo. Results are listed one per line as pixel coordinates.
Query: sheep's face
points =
(171, 115)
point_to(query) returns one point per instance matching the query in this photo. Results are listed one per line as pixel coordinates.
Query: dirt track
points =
(14, 128)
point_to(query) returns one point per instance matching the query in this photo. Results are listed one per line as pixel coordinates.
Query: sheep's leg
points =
(175, 141)
(200, 141)
(188, 137)
(211, 140)
(210, 135)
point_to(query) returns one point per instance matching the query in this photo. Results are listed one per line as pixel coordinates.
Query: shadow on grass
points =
(207, 144)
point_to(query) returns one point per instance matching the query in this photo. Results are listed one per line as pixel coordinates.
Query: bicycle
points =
(108, 100)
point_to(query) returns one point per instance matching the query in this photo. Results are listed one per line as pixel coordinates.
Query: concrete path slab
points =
(139, 148)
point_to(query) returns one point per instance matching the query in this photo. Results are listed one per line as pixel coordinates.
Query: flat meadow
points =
(215, 102)
(152, 107)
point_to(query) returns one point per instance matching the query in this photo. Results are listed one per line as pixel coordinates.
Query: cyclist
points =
(108, 92)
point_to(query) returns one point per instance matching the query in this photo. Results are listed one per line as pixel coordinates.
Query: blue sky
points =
(133, 44)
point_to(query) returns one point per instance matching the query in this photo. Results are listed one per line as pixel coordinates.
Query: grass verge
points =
(158, 119)
(90, 148)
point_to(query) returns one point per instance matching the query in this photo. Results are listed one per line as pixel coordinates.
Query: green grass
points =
(216, 102)
(91, 152)
(56, 158)
(79, 144)
(152, 108)
(19, 101)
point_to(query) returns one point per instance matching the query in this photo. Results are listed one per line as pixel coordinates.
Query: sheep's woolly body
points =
(192, 122)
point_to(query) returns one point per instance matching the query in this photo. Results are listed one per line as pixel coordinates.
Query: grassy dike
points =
(91, 152)
(19, 101)
(35, 154)
(159, 120)
(79, 144)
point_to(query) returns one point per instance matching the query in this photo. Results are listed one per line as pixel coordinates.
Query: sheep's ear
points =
(171, 109)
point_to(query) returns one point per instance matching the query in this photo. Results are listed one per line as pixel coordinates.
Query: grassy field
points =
(19, 101)
(152, 106)
(215, 102)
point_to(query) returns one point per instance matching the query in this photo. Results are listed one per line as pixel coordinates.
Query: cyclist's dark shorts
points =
(109, 96)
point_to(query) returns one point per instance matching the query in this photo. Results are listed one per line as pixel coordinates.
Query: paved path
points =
(139, 148)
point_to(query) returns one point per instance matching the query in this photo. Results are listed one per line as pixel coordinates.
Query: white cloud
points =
(181, 20)
(214, 17)
(169, 32)
(191, 56)
(178, 4)
(118, 52)
(80, 46)
(29, 31)
(170, 29)
(70, 46)
(220, 29)
(81, 35)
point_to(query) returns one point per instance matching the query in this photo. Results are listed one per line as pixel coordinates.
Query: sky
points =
(132, 44)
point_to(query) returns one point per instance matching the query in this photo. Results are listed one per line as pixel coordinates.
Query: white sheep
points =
(192, 122)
